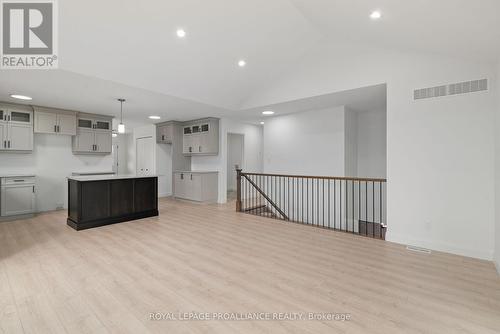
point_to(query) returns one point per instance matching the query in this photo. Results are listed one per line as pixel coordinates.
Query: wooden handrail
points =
(363, 179)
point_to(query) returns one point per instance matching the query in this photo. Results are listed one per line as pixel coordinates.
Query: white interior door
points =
(145, 156)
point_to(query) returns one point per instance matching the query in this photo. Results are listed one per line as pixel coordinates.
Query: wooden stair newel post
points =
(238, 190)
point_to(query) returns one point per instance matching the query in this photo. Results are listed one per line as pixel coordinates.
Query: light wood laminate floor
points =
(208, 258)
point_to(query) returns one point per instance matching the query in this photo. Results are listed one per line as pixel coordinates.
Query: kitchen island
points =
(99, 200)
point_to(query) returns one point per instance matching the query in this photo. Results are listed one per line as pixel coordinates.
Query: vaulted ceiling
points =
(128, 48)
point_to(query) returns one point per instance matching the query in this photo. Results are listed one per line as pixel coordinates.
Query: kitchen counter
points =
(17, 175)
(108, 199)
(92, 173)
(83, 178)
(196, 171)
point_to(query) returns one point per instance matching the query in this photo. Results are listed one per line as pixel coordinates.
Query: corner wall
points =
(306, 143)
(440, 151)
(252, 153)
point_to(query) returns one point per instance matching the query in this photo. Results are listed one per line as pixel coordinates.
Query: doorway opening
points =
(235, 159)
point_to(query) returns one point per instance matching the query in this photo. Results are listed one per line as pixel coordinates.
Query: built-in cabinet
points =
(165, 133)
(201, 137)
(93, 134)
(17, 195)
(54, 121)
(196, 186)
(16, 129)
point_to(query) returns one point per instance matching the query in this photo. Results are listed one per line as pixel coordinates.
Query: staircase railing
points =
(354, 205)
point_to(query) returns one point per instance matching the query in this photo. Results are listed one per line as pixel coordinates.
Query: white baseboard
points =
(439, 246)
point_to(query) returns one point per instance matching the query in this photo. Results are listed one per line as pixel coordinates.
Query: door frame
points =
(243, 162)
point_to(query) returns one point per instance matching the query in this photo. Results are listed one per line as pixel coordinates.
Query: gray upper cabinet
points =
(201, 137)
(165, 133)
(93, 134)
(54, 121)
(16, 129)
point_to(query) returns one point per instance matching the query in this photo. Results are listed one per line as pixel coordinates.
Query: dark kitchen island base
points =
(103, 200)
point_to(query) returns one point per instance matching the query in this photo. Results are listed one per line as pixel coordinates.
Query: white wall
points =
(440, 152)
(305, 143)
(235, 154)
(351, 143)
(52, 161)
(372, 144)
(253, 153)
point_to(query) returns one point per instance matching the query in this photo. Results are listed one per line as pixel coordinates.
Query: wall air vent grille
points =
(453, 89)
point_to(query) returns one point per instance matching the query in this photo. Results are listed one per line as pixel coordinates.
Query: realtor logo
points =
(29, 39)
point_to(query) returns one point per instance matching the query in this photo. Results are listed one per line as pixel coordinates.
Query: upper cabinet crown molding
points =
(55, 121)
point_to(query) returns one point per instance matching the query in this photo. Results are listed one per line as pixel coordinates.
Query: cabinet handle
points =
(18, 180)
(162, 137)
(9, 143)
(191, 177)
(199, 148)
(55, 128)
(33, 189)
(58, 130)
(182, 176)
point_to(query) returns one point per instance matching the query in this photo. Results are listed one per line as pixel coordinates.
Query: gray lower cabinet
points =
(17, 195)
(196, 186)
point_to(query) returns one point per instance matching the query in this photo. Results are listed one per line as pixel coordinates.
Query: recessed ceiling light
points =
(154, 117)
(375, 15)
(261, 123)
(181, 33)
(268, 112)
(20, 97)
(242, 63)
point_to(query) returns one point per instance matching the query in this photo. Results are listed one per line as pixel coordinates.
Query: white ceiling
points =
(460, 28)
(128, 48)
(365, 99)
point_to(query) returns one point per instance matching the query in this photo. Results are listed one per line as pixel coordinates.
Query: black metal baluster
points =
(380, 200)
(329, 181)
(302, 201)
(366, 207)
(340, 204)
(359, 205)
(373, 207)
(352, 181)
(335, 204)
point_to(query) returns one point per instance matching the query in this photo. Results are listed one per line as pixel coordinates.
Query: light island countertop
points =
(84, 178)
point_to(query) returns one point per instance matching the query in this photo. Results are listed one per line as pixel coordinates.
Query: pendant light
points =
(121, 126)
